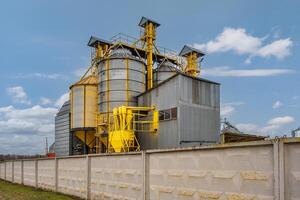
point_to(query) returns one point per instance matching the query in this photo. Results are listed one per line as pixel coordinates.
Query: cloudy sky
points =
(252, 49)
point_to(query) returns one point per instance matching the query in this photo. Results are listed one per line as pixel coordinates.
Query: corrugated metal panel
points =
(125, 79)
(62, 131)
(198, 117)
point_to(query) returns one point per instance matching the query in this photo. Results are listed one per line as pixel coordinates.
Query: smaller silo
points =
(83, 97)
(164, 71)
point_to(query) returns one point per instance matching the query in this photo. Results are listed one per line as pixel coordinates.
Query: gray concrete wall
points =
(116, 177)
(9, 172)
(2, 170)
(72, 174)
(29, 173)
(18, 172)
(46, 174)
(262, 170)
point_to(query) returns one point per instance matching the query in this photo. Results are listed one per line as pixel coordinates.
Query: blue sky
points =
(252, 50)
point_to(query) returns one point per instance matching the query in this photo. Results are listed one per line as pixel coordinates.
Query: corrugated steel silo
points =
(84, 103)
(121, 78)
(84, 107)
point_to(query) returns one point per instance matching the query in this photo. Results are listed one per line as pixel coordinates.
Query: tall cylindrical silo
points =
(121, 78)
(83, 98)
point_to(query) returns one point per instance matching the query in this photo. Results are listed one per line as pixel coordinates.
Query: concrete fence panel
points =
(46, 174)
(291, 171)
(263, 170)
(18, 172)
(72, 174)
(9, 171)
(2, 170)
(116, 177)
(231, 173)
(29, 167)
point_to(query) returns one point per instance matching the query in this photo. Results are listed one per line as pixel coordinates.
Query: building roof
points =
(144, 20)
(175, 75)
(187, 49)
(229, 137)
(64, 109)
(94, 42)
(89, 80)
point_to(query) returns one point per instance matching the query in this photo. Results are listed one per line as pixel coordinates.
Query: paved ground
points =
(9, 191)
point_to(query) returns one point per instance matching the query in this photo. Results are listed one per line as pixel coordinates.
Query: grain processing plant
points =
(135, 96)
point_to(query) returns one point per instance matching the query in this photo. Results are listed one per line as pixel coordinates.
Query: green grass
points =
(10, 191)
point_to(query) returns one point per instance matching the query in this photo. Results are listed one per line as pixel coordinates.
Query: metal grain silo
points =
(84, 108)
(121, 78)
(84, 103)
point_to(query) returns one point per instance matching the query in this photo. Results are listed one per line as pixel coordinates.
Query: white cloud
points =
(277, 104)
(231, 39)
(228, 109)
(33, 120)
(80, 71)
(41, 76)
(62, 99)
(22, 144)
(228, 72)
(272, 128)
(247, 128)
(269, 129)
(243, 43)
(280, 49)
(18, 95)
(45, 101)
(281, 120)
(23, 130)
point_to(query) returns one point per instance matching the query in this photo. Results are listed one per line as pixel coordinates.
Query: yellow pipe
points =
(150, 37)
(191, 68)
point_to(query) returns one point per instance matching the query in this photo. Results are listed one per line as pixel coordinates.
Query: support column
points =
(84, 146)
(281, 170)
(276, 170)
(150, 36)
(13, 171)
(22, 172)
(4, 170)
(88, 177)
(145, 176)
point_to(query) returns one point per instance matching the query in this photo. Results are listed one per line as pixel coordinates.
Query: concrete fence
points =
(246, 171)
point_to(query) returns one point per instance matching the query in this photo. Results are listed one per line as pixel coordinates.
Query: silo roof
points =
(94, 41)
(89, 80)
(144, 20)
(179, 74)
(187, 49)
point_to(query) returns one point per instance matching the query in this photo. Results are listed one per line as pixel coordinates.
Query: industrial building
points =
(135, 96)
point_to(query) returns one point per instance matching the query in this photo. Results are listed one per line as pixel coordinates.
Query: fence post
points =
(88, 177)
(36, 173)
(12, 171)
(276, 169)
(56, 175)
(281, 170)
(145, 175)
(22, 172)
(4, 170)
